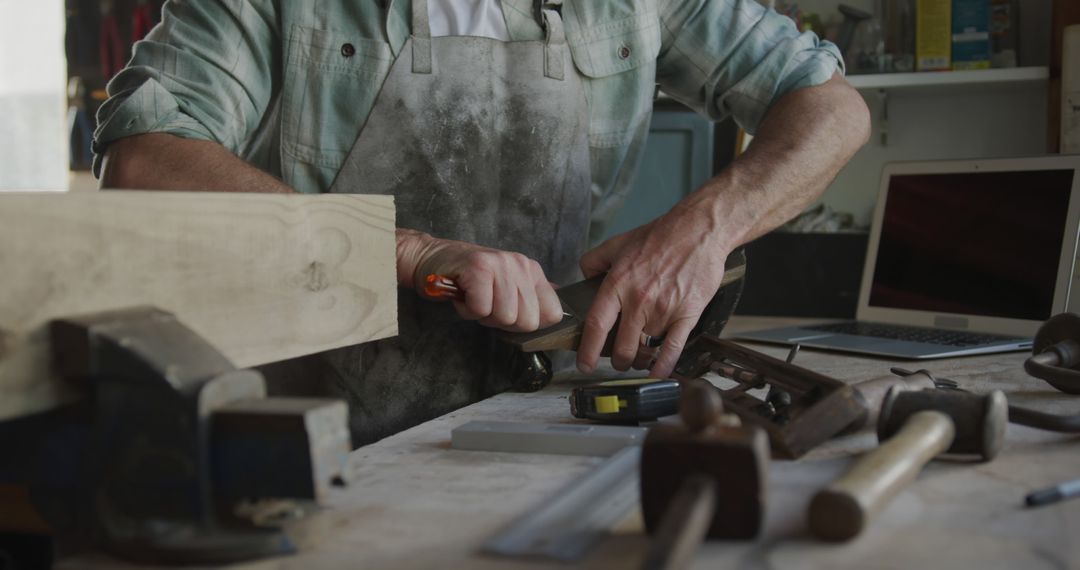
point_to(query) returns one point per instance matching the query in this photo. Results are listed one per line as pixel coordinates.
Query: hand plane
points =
(578, 298)
(532, 368)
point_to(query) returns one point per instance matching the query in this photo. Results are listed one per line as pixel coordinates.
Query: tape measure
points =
(630, 400)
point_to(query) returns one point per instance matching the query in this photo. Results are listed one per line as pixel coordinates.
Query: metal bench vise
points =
(174, 455)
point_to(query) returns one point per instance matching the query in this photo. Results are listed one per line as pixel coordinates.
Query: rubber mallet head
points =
(913, 428)
(980, 420)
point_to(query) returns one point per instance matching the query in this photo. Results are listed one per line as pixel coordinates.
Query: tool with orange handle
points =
(531, 371)
(442, 287)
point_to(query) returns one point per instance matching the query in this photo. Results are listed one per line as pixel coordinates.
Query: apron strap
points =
(421, 37)
(554, 60)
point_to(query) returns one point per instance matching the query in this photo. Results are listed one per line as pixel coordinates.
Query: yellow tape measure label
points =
(608, 404)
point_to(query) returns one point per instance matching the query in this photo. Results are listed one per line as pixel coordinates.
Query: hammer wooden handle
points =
(843, 509)
(684, 525)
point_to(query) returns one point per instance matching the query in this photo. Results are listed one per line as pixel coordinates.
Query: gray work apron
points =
(481, 141)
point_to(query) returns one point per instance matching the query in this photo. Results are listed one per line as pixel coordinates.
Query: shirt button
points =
(348, 50)
(624, 52)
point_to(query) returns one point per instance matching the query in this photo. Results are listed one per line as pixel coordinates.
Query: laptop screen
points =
(985, 243)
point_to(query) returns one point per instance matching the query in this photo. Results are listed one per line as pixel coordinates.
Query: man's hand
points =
(660, 278)
(662, 275)
(502, 289)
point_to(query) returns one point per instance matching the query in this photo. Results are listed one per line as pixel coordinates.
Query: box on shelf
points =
(1070, 91)
(971, 34)
(933, 35)
(1003, 33)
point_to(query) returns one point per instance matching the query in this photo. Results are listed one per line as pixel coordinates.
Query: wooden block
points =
(735, 457)
(703, 479)
(264, 277)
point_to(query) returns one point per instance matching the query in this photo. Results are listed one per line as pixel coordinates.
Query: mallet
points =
(705, 480)
(914, 427)
(871, 393)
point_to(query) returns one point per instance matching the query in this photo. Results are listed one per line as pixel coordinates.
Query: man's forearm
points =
(804, 141)
(165, 162)
(661, 276)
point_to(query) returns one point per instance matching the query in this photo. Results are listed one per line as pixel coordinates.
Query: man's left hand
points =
(660, 277)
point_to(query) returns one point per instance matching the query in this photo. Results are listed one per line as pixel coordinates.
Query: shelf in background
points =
(948, 79)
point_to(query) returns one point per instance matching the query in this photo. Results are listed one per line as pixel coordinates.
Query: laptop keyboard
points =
(913, 334)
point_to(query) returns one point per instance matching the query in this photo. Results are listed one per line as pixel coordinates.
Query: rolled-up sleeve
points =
(735, 58)
(208, 72)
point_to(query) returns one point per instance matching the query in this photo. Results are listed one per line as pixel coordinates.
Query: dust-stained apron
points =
(481, 141)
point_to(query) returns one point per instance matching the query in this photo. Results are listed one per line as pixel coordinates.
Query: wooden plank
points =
(263, 277)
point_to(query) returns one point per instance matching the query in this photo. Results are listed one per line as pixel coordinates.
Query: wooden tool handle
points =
(685, 524)
(842, 510)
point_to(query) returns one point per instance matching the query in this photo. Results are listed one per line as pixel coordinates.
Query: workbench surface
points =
(415, 503)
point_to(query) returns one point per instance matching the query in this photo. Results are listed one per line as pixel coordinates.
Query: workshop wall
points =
(948, 123)
(955, 122)
(33, 148)
(910, 122)
(56, 56)
(98, 43)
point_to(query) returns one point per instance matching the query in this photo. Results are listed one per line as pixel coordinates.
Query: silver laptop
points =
(964, 257)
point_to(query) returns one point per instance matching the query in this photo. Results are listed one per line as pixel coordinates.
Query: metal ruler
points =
(565, 525)
(563, 439)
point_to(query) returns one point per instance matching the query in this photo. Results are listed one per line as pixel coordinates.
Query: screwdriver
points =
(442, 287)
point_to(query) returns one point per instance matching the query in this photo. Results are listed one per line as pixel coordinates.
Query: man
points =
(503, 137)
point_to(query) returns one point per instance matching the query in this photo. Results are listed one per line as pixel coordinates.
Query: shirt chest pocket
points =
(614, 44)
(331, 81)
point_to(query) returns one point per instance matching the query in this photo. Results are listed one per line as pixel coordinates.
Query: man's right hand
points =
(502, 289)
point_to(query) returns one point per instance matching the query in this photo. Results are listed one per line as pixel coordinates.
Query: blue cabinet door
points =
(678, 159)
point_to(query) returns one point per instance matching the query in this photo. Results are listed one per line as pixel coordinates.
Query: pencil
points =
(1058, 492)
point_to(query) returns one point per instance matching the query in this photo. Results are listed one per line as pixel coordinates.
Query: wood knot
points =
(315, 277)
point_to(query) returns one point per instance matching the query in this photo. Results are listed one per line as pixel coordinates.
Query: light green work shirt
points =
(288, 85)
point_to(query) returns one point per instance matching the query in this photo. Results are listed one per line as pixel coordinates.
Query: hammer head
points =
(980, 420)
(735, 456)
